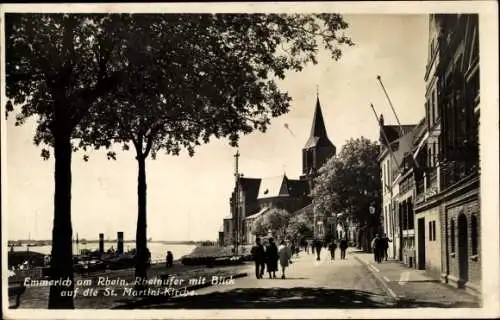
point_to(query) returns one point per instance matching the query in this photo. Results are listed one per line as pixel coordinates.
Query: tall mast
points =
(236, 201)
(394, 111)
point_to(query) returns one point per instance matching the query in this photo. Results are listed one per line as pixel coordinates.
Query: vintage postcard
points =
(250, 160)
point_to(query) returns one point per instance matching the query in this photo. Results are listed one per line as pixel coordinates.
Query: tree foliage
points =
(350, 182)
(276, 220)
(160, 82)
(300, 226)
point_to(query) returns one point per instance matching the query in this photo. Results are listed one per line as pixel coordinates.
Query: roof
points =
(307, 209)
(273, 187)
(250, 186)
(318, 136)
(258, 214)
(228, 217)
(394, 132)
(298, 188)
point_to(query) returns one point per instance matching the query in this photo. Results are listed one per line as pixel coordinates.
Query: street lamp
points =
(372, 209)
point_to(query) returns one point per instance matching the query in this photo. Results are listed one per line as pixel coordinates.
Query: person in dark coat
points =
(259, 257)
(170, 259)
(318, 245)
(385, 246)
(272, 258)
(377, 248)
(332, 246)
(343, 248)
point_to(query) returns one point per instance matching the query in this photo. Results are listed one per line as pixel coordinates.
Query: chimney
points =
(381, 121)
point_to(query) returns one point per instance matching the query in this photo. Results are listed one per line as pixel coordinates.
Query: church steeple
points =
(318, 126)
(318, 148)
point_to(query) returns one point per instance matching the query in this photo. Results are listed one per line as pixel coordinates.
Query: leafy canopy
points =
(349, 182)
(276, 220)
(168, 81)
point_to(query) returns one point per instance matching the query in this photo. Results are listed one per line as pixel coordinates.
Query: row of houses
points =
(430, 170)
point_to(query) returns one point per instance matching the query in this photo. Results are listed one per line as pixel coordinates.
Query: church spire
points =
(318, 128)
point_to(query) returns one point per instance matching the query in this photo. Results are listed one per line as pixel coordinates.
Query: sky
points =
(189, 196)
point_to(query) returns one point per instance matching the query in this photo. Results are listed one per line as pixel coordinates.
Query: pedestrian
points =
(332, 246)
(317, 246)
(272, 258)
(285, 254)
(259, 257)
(170, 259)
(376, 247)
(385, 245)
(343, 248)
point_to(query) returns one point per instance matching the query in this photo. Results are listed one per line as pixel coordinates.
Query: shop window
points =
(452, 236)
(474, 234)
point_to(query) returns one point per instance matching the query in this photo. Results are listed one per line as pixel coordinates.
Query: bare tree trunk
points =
(61, 266)
(141, 232)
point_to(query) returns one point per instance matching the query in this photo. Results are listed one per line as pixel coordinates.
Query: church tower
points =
(318, 148)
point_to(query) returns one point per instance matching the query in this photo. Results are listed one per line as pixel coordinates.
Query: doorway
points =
(421, 243)
(463, 252)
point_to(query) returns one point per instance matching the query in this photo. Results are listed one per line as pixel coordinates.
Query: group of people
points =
(332, 246)
(269, 255)
(380, 245)
(316, 245)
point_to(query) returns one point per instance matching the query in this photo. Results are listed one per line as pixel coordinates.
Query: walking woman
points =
(272, 258)
(285, 254)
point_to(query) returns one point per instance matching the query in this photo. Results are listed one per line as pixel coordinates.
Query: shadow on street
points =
(272, 298)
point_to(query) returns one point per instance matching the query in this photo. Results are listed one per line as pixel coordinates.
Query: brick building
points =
(437, 198)
(447, 186)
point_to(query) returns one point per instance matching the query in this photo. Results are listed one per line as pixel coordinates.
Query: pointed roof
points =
(318, 136)
(318, 126)
(273, 187)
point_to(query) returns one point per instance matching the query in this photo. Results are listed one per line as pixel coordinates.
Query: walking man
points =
(258, 255)
(376, 243)
(343, 248)
(317, 246)
(332, 246)
(385, 245)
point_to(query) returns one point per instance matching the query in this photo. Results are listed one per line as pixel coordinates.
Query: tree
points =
(58, 66)
(349, 183)
(276, 220)
(300, 226)
(203, 76)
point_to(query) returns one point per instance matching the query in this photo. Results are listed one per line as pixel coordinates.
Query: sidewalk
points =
(411, 287)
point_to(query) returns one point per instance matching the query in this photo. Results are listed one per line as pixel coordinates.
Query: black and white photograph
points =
(250, 160)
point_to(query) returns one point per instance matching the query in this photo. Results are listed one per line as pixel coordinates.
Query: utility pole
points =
(393, 111)
(236, 202)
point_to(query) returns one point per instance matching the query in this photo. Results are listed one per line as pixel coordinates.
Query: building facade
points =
(395, 142)
(447, 190)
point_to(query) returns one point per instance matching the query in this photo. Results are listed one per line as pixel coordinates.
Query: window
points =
(473, 236)
(433, 230)
(452, 236)
(411, 221)
(430, 230)
(435, 105)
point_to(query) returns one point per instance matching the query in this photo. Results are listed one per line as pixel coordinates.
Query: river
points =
(158, 250)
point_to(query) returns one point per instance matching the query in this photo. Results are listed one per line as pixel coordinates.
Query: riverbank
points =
(114, 288)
